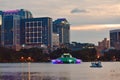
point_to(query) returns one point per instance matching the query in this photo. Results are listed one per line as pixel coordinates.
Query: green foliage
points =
(111, 54)
(57, 53)
(38, 55)
(84, 54)
(6, 55)
(9, 55)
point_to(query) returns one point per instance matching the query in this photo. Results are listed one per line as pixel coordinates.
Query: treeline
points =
(24, 55)
(84, 54)
(38, 55)
(111, 55)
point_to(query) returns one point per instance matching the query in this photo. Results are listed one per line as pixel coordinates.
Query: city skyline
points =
(90, 20)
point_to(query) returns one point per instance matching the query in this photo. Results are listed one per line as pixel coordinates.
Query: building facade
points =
(102, 46)
(62, 27)
(19, 29)
(55, 40)
(21, 12)
(0, 20)
(10, 29)
(36, 32)
(115, 38)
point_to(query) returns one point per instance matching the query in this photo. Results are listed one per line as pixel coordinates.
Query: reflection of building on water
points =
(34, 76)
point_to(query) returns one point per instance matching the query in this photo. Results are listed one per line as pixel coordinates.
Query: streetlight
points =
(22, 59)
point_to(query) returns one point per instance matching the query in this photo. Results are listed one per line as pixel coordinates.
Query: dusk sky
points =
(90, 20)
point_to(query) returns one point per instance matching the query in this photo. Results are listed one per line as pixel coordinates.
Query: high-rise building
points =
(0, 25)
(0, 35)
(55, 40)
(21, 12)
(10, 29)
(0, 28)
(115, 38)
(62, 27)
(36, 32)
(102, 46)
(0, 19)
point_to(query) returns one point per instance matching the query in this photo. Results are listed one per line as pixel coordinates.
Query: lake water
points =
(48, 71)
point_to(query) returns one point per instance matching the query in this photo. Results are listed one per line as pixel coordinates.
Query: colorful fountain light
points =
(78, 61)
(56, 61)
(66, 58)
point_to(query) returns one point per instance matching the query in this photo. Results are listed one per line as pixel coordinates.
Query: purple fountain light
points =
(11, 11)
(78, 61)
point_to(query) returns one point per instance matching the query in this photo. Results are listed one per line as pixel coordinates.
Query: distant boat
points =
(66, 58)
(96, 64)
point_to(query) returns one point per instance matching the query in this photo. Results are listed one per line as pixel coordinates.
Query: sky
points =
(90, 20)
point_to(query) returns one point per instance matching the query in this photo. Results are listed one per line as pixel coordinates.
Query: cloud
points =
(96, 11)
(90, 36)
(95, 27)
(76, 10)
(85, 16)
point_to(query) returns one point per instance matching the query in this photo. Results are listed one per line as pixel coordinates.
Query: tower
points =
(62, 27)
(115, 38)
(10, 29)
(36, 32)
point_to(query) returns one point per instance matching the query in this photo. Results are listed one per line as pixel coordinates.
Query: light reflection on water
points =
(32, 76)
(48, 71)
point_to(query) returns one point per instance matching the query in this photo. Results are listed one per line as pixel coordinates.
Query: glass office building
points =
(36, 31)
(62, 27)
(0, 28)
(115, 38)
(10, 29)
(0, 19)
(21, 12)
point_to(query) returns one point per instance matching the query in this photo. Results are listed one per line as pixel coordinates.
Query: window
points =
(27, 29)
(27, 34)
(35, 24)
(39, 29)
(35, 34)
(31, 29)
(27, 25)
(35, 29)
(31, 34)
(31, 40)
(39, 23)
(39, 39)
(39, 35)
(31, 24)
(35, 40)
(28, 40)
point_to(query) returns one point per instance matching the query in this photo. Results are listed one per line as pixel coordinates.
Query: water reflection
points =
(25, 71)
(47, 71)
(32, 76)
(29, 75)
